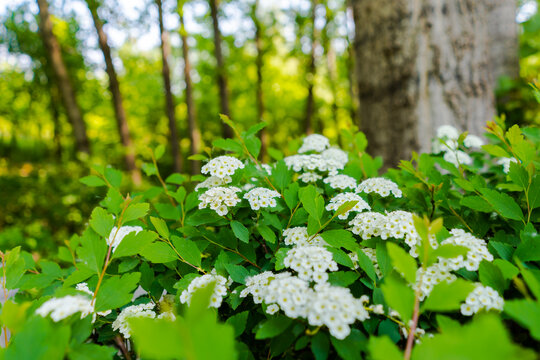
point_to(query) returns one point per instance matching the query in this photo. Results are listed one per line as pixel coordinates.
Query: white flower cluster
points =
(328, 305)
(299, 236)
(220, 289)
(447, 143)
(477, 251)
(330, 160)
(310, 262)
(340, 182)
(61, 308)
(261, 198)
(222, 166)
(314, 142)
(505, 162)
(396, 224)
(116, 237)
(309, 177)
(381, 186)
(134, 311)
(219, 199)
(121, 323)
(433, 275)
(213, 181)
(482, 298)
(342, 198)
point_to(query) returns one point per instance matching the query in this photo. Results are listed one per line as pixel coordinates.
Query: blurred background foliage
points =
(40, 197)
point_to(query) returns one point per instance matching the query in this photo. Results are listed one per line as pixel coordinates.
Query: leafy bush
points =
(313, 256)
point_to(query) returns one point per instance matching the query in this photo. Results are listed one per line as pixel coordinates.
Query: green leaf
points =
(116, 291)
(402, 262)
(187, 249)
(158, 252)
(92, 352)
(398, 296)
(161, 226)
(273, 327)
(534, 193)
(228, 145)
(519, 175)
(167, 211)
(291, 195)
(340, 238)
(503, 203)
(15, 266)
(447, 251)
(176, 179)
(342, 278)
(385, 265)
(159, 151)
(133, 243)
(238, 322)
(483, 338)
(92, 181)
(238, 273)
(495, 150)
(281, 175)
(476, 203)
(253, 145)
(240, 231)
(350, 347)
(367, 265)
(382, 348)
(448, 296)
(113, 176)
(313, 202)
(491, 275)
(102, 222)
(526, 313)
(135, 211)
(92, 250)
(267, 233)
(346, 206)
(340, 257)
(320, 346)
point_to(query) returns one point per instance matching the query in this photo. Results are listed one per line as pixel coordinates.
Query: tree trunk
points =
(503, 30)
(331, 65)
(221, 70)
(169, 101)
(310, 76)
(351, 73)
(194, 132)
(73, 111)
(114, 88)
(259, 90)
(55, 115)
(421, 64)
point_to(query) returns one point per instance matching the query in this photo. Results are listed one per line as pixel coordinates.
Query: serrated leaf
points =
(238, 322)
(267, 233)
(476, 203)
(398, 296)
(92, 181)
(238, 273)
(273, 327)
(113, 176)
(526, 313)
(448, 296)
(158, 252)
(161, 226)
(176, 179)
(503, 203)
(133, 243)
(135, 211)
(116, 291)
(187, 249)
(340, 238)
(102, 222)
(495, 150)
(240, 231)
(367, 265)
(402, 262)
(92, 250)
(167, 211)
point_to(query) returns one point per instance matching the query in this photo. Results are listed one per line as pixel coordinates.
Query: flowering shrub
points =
(312, 256)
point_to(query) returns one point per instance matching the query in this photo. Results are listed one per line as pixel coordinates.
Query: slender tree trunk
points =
(310, 76)
(422, 64)
(221, 69)
(351, 67)
(503, 30)
(169, 101)
(194, 132)
(114, 88)
(55, 116)
(259, 90)
(73, 111)
(331, 65)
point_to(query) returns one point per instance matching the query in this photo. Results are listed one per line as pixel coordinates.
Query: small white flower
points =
(261, 198)
(134, 311)
(505, 162)
(340, 182)
(213, 181)
(219, 199)
(342, 198)
(473, 141)
(222, 166)
(309, 177)
(220, 289)
(381, 186)
(64, 307)
(314, 142)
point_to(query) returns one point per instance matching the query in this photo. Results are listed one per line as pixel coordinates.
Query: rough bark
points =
(193, 127)
(221, 69)
(310, 75)
(114, 88)
(169, 101)
(503, 31)
(258, 88)
(67, 92)
(421, 64)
